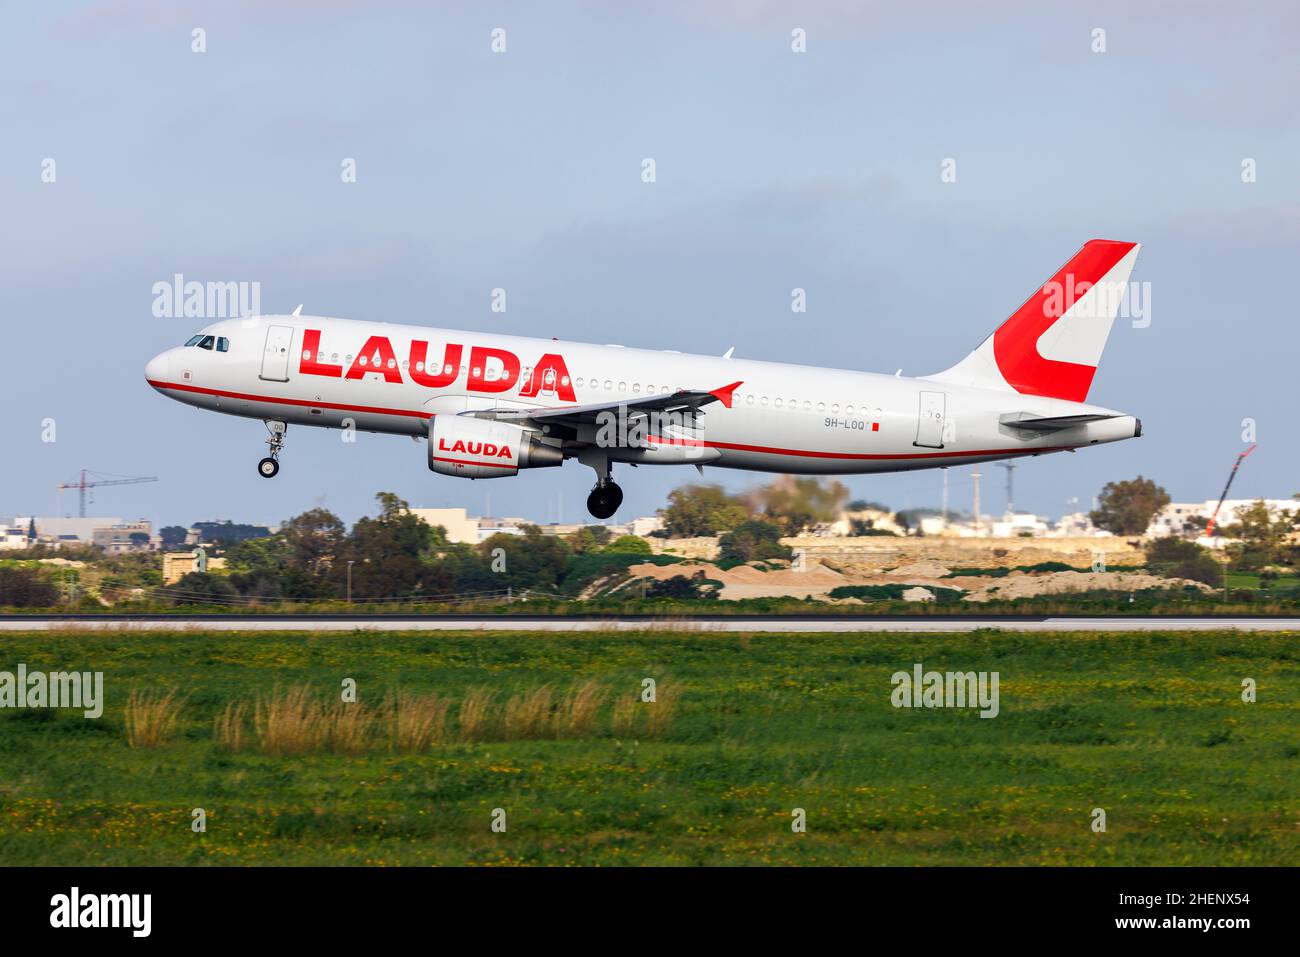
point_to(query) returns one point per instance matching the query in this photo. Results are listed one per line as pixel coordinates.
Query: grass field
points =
(1149, 727)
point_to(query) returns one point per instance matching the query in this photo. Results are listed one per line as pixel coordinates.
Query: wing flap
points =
(683, 401)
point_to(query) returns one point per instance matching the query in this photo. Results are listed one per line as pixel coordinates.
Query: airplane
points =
(489, 406)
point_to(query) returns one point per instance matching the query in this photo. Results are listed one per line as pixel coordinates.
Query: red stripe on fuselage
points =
(868, 456)
(278, 400)
(734, 446)
(489, 465)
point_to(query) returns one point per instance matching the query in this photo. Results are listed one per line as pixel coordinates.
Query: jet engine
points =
(470, 447)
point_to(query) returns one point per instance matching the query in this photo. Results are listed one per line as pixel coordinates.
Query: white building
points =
(1018, 525)
(12, 536)
(1188, 518)
(125, 537)
(641, 527)
(64, 530)
(460, 527)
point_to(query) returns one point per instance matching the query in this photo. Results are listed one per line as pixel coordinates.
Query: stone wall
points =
(885, 552)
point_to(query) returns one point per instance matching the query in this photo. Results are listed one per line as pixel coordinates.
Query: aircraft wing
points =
(576, 415)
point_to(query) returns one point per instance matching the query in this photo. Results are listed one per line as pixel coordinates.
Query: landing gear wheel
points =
(604, 500)
(269, 467)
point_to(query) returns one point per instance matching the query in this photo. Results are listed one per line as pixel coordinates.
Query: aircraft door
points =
(275, 358)
(930, 420)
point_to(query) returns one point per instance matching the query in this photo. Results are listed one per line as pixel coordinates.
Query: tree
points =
(314, 538)
(259, 568)
(530, 560)
(589, 538)
(629, 545)
(173, 536)
(1171, 557)
(695, 511)
(203, 588)
(1127, 508)
(1261, 537)
(227, 532)
(795, 503)
(752, 540)
(22, 586)
(863, 505)
(394, 555)
(682, 588)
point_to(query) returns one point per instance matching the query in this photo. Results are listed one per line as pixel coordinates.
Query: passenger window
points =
(206, 342)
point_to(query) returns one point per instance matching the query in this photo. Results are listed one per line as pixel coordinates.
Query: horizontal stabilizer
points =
(1051, 423)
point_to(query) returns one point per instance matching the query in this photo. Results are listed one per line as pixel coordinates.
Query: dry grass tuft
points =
(576, 715)
(228, 728)
(348, 727)
(151, 717)
(417, 721)
(662, 710)
(475, 712)
(528, 715)
(622, 720)
(289, 722)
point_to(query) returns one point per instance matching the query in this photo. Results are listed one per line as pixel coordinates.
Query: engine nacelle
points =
(469, 447)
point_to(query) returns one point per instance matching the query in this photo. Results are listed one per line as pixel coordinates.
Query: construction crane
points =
(99, 480)
(1209, 526)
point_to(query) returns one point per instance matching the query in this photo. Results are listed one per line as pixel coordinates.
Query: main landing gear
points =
(269, 467)
(606, 497)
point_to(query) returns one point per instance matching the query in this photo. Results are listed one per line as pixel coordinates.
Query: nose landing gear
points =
(269, 467)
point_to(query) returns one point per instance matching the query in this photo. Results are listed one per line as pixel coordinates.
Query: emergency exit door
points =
(929, 425)
(275, 359)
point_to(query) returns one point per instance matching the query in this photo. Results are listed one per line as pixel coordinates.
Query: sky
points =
(521, 170)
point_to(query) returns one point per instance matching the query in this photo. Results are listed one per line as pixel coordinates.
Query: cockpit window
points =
(223, 344)
(206, 342)
(194, 340)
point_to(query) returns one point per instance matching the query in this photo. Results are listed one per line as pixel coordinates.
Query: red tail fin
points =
(1052, 344)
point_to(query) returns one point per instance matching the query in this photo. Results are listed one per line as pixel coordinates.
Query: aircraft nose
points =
(158, 368)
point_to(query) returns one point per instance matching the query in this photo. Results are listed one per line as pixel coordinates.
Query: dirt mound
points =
(1023, 585)
(918, 570)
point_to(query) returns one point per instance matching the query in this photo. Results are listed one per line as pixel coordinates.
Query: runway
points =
(803, 624)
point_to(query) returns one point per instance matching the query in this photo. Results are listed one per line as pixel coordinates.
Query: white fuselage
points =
(782, 417)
